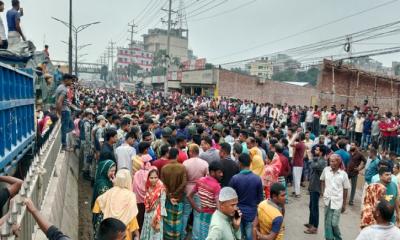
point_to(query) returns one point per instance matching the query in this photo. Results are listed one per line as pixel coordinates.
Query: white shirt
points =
(335, 183)
(124, 155)
(310, 116)
(379, 232)
(2, 30)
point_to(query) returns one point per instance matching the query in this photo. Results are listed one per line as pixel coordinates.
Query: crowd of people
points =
(193, 167)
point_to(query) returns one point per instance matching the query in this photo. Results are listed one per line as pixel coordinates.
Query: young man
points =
(63, 107)
(196, 168)
(14, 23)
(9, 192)
(207, 188)
(138, 160)
(107, 150)
(269, 222)
(356, 165)
(181, 145)
(174, 177)
(335, 185)
(317, 165)
(210, 154)
(392, 194)
(299, 149)
(88, 156)
(126, 152)
(3, 37)
(163, 160)
(225, 222)
(249, 188)
(111, 229)
(229, 166)
(383, 229)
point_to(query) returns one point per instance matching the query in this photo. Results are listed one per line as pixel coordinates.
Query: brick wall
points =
(347, 92)
(242, 86)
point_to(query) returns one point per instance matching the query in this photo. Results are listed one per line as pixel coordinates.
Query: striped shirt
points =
(208, 189)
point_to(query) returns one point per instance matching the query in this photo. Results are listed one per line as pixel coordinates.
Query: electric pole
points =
(110, 51)
(70, 39)
(132, 31)
(168, 45)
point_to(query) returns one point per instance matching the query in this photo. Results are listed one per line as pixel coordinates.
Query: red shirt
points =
(182, 156)
(383, 126)
(160, 163)
(285, 169)
(393, 124)
(298, 157)
(208, 189)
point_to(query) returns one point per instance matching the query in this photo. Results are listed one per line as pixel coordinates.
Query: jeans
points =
(393, 143)
(365, 141)
(314, 209)
(247, 230)
(65, 126)
(187, 210)
(358, 138)
(353, 181)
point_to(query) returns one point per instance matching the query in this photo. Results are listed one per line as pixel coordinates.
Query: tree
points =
(133, 69)
(285, 76)
(239, 70)
(209, 66)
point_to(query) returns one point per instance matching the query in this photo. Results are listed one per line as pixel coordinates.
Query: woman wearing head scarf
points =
(139, 187)
(257, 163)
(104, 176)
(120, 202)
(373, 193)
(155, 207)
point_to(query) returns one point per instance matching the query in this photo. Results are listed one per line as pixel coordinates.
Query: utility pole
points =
(70, 39)
(132, 31)
(111, 56)
(168, 46)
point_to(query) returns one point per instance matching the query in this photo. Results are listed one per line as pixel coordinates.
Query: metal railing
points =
(35, 187)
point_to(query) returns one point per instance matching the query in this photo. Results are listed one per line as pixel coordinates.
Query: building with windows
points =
(262, 69)
(134, 54)
(156, 39)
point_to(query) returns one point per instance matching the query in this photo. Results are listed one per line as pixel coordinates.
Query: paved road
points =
(297, 214)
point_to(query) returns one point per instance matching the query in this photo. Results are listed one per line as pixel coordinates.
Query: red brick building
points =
(342, 84)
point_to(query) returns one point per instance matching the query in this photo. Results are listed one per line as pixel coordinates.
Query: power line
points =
(225, 12)
(206, 10)
(310, 29)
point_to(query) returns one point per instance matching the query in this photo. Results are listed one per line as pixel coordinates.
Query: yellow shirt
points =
(267, 213)
(257, 165)
(130, 228)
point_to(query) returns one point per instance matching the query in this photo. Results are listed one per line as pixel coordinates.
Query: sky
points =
(230, 31)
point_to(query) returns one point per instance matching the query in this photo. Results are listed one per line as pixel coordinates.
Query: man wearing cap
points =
(225, 222)
(63, 109)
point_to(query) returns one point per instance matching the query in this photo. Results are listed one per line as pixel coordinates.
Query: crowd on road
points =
(195, 167)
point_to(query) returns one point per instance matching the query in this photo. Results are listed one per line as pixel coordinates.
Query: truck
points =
(17, 116)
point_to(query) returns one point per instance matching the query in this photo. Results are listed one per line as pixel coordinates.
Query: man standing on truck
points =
(14, 23)
(63, 108)
(3, 37)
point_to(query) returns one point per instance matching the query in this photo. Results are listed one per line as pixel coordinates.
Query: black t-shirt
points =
(55, 234)
(4, 196)
(229, 168)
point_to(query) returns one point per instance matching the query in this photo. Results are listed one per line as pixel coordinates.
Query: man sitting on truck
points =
(63, 108)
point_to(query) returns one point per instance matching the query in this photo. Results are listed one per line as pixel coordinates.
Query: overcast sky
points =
(220, 39)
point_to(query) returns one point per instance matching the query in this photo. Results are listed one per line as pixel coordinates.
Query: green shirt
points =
(221, 228)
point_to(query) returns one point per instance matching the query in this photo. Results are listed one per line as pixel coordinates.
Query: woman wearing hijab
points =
(104, 176)
(155, 207)
(139, 187)
(120, 202)
(373, 193)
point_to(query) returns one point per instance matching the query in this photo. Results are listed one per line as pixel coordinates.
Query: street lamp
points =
(76, 30)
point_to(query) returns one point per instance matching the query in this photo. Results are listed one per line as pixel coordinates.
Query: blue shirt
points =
(248, 187)
(372, 170)
(367, 127)
(12, 17)
(344, 155)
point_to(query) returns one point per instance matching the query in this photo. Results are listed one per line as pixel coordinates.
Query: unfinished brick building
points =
(341, 84)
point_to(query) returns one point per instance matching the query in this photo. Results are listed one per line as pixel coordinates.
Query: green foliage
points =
(209, 66)
(239, 70)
